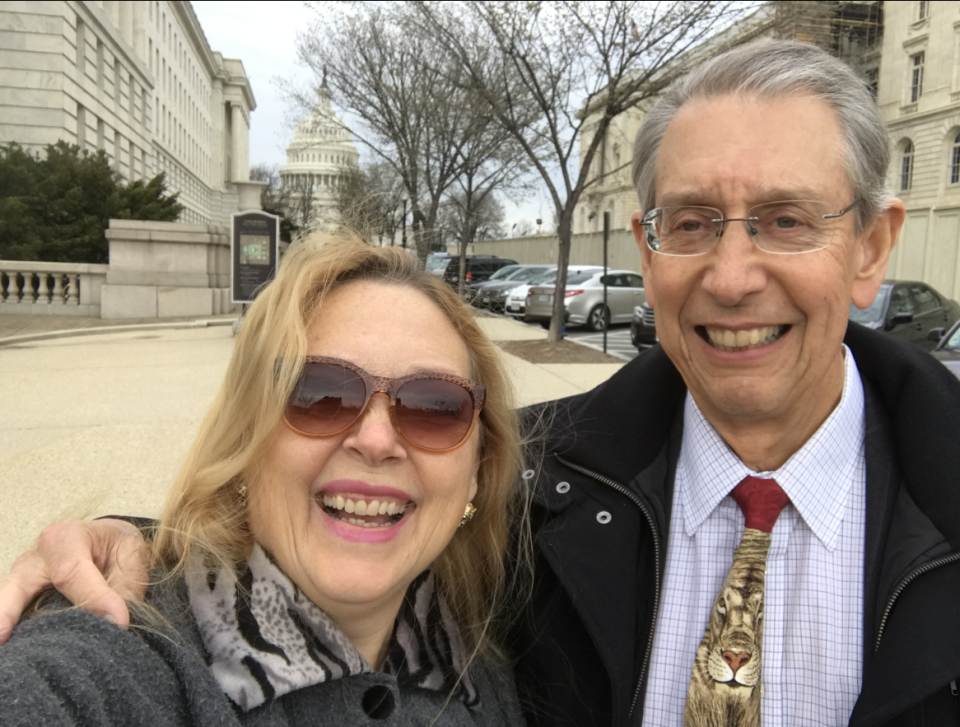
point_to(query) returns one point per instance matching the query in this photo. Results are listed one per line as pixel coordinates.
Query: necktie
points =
(725, 686)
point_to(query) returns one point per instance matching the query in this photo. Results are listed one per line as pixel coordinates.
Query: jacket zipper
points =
(656, 551)
(926, 567)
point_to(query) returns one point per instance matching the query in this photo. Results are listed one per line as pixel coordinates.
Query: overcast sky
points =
(263, 36)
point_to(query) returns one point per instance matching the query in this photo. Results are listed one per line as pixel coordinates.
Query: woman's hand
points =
(95, 564)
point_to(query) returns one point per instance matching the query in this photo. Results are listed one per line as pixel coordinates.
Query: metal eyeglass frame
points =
(648, 218)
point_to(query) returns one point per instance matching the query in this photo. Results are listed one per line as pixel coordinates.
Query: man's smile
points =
(726, 339)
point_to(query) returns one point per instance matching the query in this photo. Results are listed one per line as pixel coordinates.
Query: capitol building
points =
(320, 156)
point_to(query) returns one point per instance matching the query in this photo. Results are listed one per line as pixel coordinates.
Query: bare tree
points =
(549, 70)
(369, 202)
(274, 198)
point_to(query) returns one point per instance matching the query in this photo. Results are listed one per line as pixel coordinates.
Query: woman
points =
(310, 565)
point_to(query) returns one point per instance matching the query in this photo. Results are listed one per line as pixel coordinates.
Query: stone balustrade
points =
(61, 289)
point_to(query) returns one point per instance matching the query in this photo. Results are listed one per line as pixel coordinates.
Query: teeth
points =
(727, 340)
(362, 508)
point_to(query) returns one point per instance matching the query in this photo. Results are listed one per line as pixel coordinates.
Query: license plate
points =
(543, 298)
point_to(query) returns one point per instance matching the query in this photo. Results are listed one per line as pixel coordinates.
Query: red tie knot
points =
(761, 501)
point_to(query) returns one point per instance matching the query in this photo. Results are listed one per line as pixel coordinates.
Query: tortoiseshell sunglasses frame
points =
(390, 387)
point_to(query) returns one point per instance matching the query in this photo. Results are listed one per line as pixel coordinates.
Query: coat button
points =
(603, 517)
(563, 488)
(378, 702)
(528, 474)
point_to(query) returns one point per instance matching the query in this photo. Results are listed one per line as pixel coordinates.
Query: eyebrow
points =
(761, 196)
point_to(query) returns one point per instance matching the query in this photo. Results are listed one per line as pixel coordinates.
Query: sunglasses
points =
(436, 412)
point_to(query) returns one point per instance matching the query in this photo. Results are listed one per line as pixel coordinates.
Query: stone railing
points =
(61, 289)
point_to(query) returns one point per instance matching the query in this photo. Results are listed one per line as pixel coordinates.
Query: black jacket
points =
(584, 642)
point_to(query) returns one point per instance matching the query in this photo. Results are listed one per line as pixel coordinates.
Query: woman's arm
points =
(95, 564)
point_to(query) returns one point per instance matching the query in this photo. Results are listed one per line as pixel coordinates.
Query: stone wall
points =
(163, 269)
(585, 249)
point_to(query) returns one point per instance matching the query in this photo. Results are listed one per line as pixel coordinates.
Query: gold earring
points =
(242, 495)
(468, 512)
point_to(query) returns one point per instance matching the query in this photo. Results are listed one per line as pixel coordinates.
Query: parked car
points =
(583, 299)
(493, 293)
(909, 310)
(643, 329)
(516, 300)
(478, 267)
(948, 350)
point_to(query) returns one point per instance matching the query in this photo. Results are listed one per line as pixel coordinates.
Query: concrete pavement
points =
(100, 422)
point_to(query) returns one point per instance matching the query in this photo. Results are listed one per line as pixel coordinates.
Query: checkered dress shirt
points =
(813, 605)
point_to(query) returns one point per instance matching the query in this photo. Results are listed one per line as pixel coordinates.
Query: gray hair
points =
(777, 68)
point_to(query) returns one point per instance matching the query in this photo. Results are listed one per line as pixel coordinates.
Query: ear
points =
(473, 487)
(876, 244)
(646, 255)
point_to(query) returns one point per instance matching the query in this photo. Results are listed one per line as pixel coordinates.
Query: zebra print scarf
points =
(266, 639)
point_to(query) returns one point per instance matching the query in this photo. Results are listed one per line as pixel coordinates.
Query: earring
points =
(468, 512)
(242, 495)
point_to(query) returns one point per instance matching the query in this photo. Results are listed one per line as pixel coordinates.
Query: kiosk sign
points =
(254, 253)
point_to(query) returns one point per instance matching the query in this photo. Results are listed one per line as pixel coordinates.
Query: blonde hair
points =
(206, 519)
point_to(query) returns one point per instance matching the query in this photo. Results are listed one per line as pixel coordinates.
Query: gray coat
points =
(72, 668)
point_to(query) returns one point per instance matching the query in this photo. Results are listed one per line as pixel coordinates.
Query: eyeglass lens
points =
(780, 227)
(430, 413)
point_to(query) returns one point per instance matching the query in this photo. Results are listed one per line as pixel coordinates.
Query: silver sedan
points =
(584, 299)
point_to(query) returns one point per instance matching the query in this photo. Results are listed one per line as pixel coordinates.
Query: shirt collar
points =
(817, 478)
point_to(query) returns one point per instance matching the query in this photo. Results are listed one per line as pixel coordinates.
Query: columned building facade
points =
(320, 156)
(136, 79)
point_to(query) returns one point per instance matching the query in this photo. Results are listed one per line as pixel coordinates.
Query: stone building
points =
(919, 94)
(136, 79)
(321, 154)
(850, 30)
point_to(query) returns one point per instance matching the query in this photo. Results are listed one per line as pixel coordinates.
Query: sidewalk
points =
(94, 422)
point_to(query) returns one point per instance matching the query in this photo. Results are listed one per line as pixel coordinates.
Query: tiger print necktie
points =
(725, 686)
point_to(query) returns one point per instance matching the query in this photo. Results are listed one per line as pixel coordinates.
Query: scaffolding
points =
(851, 31)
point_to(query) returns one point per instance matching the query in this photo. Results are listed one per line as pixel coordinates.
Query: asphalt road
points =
(618, 338)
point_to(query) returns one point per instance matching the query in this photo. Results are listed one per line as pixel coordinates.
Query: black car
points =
(948, 350)
(643, 330)
(909, 310)
(478, 267)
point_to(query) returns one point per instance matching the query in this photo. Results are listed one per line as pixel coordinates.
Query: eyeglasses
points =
(436, 412)
(790, 227)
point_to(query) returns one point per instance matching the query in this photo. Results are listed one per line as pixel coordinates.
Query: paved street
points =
(618, 340)
(95, 422)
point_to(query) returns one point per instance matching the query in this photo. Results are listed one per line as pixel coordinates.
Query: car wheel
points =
(598, 319)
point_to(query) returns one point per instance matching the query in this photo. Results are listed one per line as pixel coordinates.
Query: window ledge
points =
(908, 109)
(955, 96)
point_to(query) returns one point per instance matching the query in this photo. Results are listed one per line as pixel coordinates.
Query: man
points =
(758, 375)
(635, 528)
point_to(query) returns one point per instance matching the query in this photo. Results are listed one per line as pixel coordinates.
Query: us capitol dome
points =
(321, 154)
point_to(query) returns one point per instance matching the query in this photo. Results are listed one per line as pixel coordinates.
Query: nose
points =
(735, 659)
(736, 266)
(373, 436)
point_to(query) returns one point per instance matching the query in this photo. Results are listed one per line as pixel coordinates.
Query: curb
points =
(51, 335)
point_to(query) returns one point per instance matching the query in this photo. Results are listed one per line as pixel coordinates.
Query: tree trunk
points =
(557, 322)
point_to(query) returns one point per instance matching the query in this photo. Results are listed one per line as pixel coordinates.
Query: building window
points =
(923, 10)
(955, 160)
(906, 167)
(916, 77)
(873, 80)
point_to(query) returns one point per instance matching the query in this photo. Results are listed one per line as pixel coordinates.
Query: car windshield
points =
(544, 276)
(526, 275)
(436, 264)
(953, 342)
(872, 313)
(508, 272)
(580, 277)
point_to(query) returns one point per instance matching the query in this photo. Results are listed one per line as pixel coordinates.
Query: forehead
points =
(742, 149)
(388, 330)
